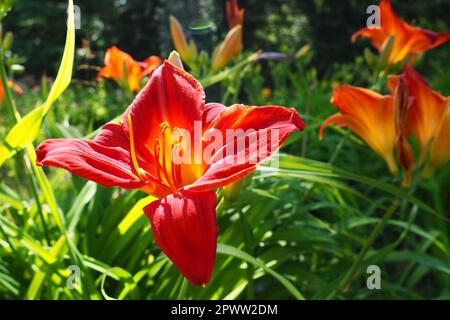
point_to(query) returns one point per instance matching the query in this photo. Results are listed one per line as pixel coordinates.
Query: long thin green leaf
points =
(234, 252)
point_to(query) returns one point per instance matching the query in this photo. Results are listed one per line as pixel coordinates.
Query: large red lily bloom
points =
(126, 71)
(409, 40)
(138, 154)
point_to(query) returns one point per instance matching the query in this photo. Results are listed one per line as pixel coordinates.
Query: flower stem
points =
(183, 289)
(8, 96)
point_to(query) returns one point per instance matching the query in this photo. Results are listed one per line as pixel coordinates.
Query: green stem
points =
(248, 241)
(372, 237)
(183, 289)
(34, 189)
(220, 206)
(8, 95)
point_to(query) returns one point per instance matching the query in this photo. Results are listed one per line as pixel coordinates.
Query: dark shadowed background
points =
(141, 26)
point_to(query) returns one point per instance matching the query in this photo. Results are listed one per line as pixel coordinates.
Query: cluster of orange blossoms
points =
(386, 122)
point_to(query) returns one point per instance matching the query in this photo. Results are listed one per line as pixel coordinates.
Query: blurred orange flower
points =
(370, 115)
(266, 92)
(127, 72)
(427, 117)
(235, 15)
(409, 40)
(11, 85)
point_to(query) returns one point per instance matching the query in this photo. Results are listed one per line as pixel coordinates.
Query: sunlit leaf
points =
(5, 7)
(27, 129)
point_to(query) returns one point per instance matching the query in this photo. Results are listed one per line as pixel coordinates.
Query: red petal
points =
(171, 95)
(212, 110)
(106, 160)
(184, 226)
(227, 167)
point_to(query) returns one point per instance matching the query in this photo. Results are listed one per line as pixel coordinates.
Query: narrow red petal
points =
(106, 160)
(184, 226)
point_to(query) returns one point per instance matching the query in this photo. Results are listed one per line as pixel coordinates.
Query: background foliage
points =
(141, 26)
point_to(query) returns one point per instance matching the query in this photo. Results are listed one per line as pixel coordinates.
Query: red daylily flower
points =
(122, 68)
(409, 40)
(138, 154)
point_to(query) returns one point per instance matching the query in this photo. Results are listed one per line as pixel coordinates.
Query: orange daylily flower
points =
(235, 15)
(370, 115)
(11, 85)
(409, 40)
(426, 116)
(126, 71)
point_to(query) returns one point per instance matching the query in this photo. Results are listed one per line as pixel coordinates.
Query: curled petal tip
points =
(175, 59)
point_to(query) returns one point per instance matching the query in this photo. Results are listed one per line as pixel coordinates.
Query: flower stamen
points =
(140, 172)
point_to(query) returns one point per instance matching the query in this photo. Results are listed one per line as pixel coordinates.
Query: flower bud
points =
(187, 51)
(404, 151)
(230, 47)
(175, 59)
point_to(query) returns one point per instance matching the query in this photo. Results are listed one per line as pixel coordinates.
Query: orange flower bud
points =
(187, 51)
(404, 151)
(230, 47)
